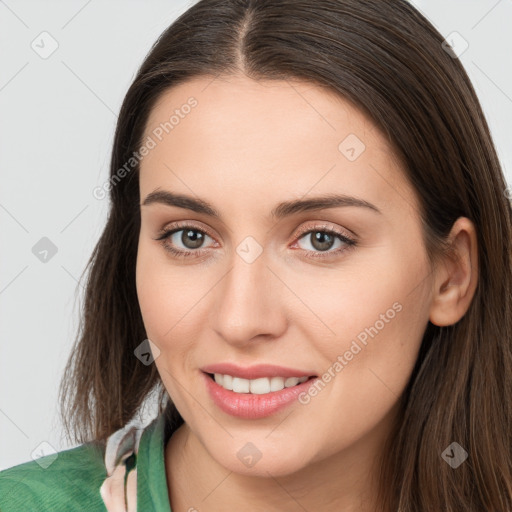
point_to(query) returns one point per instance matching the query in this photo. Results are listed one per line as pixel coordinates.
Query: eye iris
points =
(318, 240)
(196, 236)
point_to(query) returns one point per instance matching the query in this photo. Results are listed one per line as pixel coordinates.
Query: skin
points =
(245, 147)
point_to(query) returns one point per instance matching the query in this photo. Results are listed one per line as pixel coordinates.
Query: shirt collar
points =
(152, 490)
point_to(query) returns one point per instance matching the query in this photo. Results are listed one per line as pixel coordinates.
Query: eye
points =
(190, 237)
(192, 241)
(322, 240)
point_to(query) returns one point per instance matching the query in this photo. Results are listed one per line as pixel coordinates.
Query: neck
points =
(345, 481)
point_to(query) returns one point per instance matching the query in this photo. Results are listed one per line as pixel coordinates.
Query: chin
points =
(260, 459)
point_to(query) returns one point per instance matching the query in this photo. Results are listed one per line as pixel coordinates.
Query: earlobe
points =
(456, 277)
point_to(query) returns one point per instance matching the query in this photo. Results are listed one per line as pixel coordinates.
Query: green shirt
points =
(72, 481)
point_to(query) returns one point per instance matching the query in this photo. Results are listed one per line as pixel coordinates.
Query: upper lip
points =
(256, 371)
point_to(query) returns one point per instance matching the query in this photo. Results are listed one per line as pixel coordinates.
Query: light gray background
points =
(57, 119)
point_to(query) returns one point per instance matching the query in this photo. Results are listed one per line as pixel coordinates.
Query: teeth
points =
(227, 382)
(291, 381)
(276, 383)
(257, 386)
(240, 385)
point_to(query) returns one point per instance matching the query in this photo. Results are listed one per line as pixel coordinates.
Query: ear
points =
(456, 275)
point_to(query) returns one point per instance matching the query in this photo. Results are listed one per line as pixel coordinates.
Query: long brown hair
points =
(389, 61)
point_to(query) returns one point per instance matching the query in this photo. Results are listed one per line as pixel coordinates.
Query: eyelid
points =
(350, 240)
(324, 225)
(327, 226)
(184, 224)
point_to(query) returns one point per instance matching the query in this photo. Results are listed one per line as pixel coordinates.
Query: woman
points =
(309, 252)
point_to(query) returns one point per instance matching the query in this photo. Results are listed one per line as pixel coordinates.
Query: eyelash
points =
(165, 234)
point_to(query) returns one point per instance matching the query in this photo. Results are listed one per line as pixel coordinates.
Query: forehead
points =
(267, 137)
(230, 103)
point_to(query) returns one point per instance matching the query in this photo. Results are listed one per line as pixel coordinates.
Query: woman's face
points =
(269, 283)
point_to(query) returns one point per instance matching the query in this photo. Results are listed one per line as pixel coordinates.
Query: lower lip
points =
(251, 406)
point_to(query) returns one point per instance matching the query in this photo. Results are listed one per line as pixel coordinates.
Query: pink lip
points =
(255, 372)
(251, 406)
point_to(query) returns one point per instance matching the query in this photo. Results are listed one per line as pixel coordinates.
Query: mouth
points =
(259, 386)
(257, 398)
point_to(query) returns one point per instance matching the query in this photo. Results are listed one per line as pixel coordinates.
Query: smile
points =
(254, 396)
(259, 386)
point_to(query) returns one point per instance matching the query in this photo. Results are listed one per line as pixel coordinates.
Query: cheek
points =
(371, 319)
(158, 287)
(151, 293)
(164, 296)
(170, 299)
(376, 321)
(377, 294)
(373, 372)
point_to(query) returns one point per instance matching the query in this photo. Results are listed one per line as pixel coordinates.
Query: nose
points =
(249, 303)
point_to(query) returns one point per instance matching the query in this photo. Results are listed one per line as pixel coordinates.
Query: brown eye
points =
(183, 241)
(191, 238)
(321, 241)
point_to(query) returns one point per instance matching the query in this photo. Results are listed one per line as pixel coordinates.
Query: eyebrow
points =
(284, 209)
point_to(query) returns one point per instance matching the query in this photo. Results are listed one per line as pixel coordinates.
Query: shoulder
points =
(63, 481)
